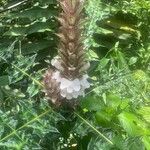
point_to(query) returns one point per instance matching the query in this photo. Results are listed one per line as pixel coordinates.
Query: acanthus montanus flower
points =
(68, 80)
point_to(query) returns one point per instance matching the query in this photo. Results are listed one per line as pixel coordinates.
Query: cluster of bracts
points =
(68, 80)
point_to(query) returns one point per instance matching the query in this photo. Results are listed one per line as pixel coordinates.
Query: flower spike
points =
(69, 78)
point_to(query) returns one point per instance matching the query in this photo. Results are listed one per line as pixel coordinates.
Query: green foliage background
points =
(114, 115)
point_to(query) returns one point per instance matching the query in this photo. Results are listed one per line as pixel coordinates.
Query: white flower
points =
(85, 84)
(56, 76)
(76, 85)
(82, 92)
(56, 63)
(70, 85)
(65, 83)
(70, 89)
(65, 94)
(75, 94)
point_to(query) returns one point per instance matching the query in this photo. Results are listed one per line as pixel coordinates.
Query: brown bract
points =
(52, 88)
(71, 49)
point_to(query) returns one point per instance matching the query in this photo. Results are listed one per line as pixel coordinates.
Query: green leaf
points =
(92, 55)
(119, 142)
(139, 75)
(113, 101)
(92, 103)
(34, 13)
(103, 118)
(145, 112)
(1, 95)
(31, 48)
(26, 30)
(146, 141)
(133, 60)
(97, 144)
(131, 124)
(4, 80)
(134, 144)
(103, 63)
(32, 90)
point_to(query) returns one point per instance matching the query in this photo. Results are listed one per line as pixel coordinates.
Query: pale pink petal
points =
(64, 83)
(75, 94)
(76, 88)
(76, 85)
(85, 83)
(69, 89)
